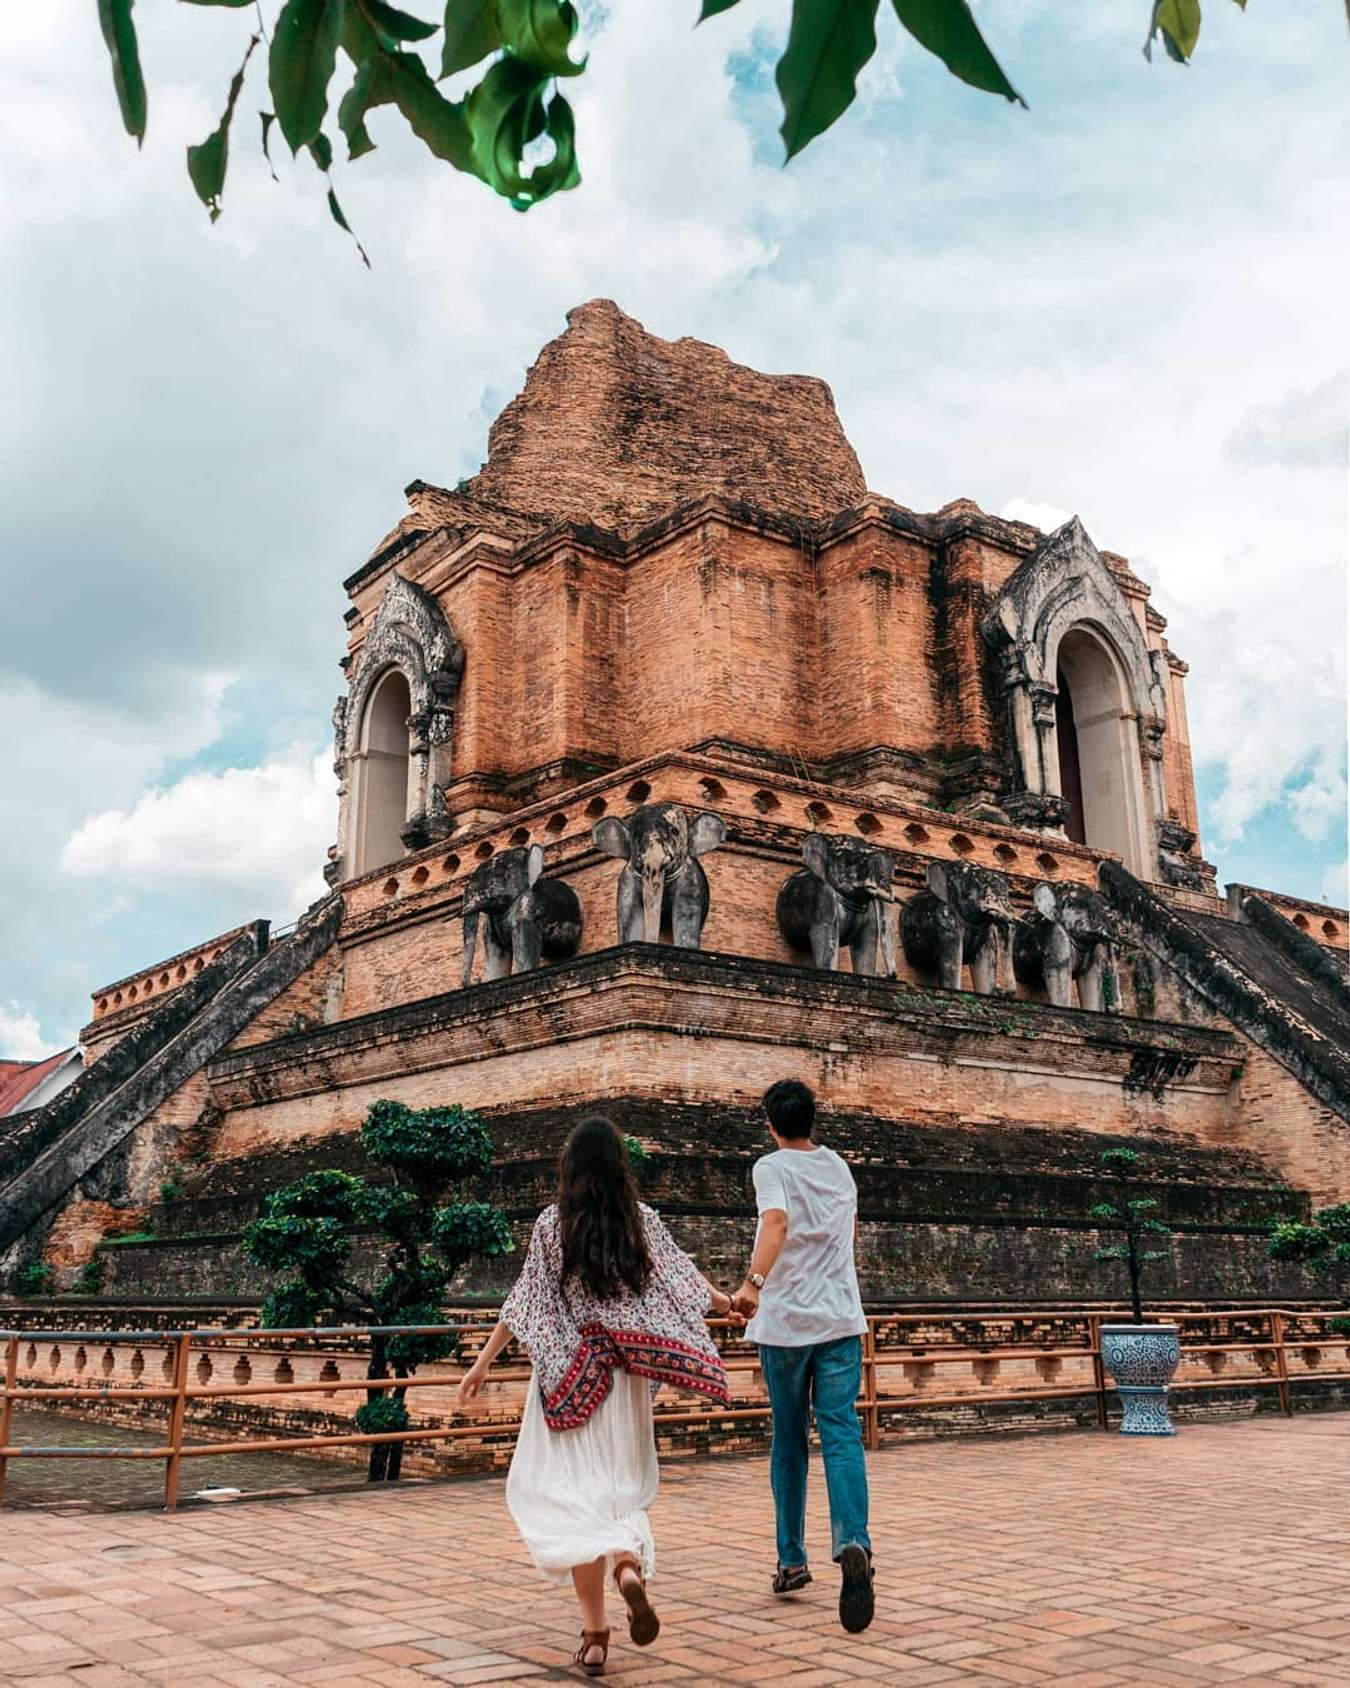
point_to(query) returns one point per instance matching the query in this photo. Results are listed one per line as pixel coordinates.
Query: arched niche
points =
(393, 734)
(1098, 771)
(1063, 617)
(378, 774)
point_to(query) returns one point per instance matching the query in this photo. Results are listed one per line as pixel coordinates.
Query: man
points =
(801, 1299)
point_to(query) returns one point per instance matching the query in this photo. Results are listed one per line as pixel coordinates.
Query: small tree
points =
(1324, 1245)
(307, 1230)
(1133, 1217)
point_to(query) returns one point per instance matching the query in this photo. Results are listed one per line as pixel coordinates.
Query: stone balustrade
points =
(125, 1000)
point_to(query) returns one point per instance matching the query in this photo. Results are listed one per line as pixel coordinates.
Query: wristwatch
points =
(755, 1278)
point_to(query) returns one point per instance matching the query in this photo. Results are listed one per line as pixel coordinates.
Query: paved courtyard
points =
(1223, 1555)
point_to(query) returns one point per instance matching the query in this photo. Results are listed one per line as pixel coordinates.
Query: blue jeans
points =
(823, 1376)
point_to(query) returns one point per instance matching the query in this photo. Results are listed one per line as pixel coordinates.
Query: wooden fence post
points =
(7, 1403)
(872, 1411)
(1282, 1363)
(177, 1414)
(1098, 1370)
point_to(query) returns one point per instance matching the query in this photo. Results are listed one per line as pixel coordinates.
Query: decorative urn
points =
(1141, 1359)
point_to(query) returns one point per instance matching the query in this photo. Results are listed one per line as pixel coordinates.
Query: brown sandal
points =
(643, 1624)
(592, 1638)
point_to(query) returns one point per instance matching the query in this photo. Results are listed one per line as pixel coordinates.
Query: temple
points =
(672, 761)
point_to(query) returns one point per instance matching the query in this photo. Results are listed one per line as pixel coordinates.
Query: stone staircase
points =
(45, 1153)
(1285, 992)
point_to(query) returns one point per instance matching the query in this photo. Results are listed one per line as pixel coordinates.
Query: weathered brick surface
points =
(1307, 1141)
(616, 425)
(82, 1226)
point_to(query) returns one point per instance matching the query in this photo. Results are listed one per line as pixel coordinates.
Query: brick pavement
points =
(1223, 1555)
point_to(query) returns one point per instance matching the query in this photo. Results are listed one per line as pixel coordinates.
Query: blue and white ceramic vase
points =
(1141, 1359)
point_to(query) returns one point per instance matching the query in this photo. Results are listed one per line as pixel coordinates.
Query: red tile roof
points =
(17, 1078)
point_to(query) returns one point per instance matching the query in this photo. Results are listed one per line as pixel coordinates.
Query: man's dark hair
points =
(791, 1108)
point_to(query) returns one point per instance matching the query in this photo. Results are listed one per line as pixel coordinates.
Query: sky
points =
(1125, 302)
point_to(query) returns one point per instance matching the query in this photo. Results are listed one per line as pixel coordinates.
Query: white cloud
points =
(1266, 696)
(258, 833)
(209, 426)
(21, 1036)
(1336, 885)
(1308, 429)
(1046, 517)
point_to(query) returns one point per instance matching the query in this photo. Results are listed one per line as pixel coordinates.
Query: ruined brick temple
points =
(671, 761)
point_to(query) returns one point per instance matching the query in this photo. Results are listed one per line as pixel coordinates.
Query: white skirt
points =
(582, 1495)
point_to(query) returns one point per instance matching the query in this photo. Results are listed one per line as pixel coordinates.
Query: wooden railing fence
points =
(1239, 1348)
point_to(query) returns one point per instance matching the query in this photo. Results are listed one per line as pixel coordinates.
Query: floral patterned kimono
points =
(584, 1470)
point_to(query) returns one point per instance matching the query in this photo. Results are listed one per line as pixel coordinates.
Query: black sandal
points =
(787, 1579)
(857, 1596)
(592, 1638)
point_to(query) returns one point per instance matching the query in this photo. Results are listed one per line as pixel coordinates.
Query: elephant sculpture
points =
(522, 916)
(963, 918)
(660, 844)
(842, 896)
(1069, 938)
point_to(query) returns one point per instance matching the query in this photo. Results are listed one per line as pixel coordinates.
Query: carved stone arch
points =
(1066, 588)
(410, 633)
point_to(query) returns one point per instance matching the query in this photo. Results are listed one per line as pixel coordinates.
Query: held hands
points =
(746, 1300)
(724, 1307)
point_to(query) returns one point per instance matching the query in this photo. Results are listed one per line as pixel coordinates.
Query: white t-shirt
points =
(811, 1295)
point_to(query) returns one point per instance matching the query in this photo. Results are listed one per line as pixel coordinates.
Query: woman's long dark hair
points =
(603, 1241)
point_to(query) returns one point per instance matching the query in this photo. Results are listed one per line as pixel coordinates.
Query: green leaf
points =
(321, 151)
(948, 28)
(712, 7)
(438, 122)
(400, 26)
(234, 5)
(382, 1416)
(1178, 22)
(1334, 1220)
(427, 1145)
(119, 33)
(539, 33)
(291, 1305)
(268, 119)
(300, 66)
(373, 87)
(336, 211)
(829, 43)
(471, 34)
(207, 163)
(1292, 1240)
(505, 113)
(468, 1231)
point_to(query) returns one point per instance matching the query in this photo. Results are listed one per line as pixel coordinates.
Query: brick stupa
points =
(669, 584)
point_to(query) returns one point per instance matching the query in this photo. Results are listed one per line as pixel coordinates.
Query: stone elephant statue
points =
(842, 896)
(522, 916)
(964, 918)
(660, 844)
(1069, 938)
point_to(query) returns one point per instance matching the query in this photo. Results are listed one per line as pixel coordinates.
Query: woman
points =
(608, 1309)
